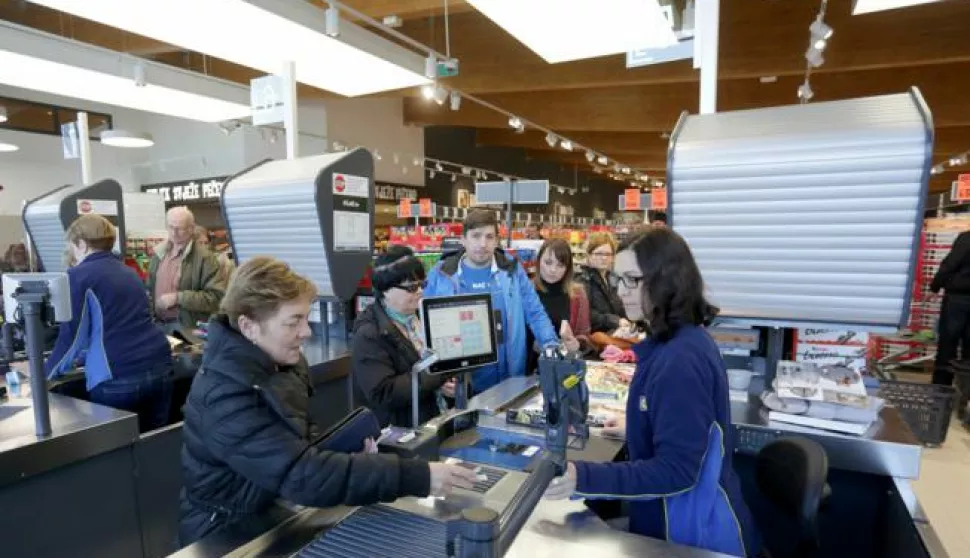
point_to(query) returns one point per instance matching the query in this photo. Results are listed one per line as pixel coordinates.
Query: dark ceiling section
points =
(460, 146)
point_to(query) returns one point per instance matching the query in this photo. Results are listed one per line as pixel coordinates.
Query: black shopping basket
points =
(926, 408)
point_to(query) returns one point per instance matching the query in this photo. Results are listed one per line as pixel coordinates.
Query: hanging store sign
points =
(961, 188)
(658, 199)
(266, 100)
(425, 208)
(202, 189)
(631, 199)
(391, 192)
(404, 209)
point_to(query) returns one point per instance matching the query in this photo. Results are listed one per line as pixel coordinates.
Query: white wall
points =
(378, 124)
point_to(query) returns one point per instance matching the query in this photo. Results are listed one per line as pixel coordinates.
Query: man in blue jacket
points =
(481, 267)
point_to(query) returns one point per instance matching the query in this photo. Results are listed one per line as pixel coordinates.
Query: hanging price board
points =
(404, 209)
(961, 188)
(631, 199)
(425, 208)
(658, 199)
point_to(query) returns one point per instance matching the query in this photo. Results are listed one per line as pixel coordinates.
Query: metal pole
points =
(34, 331)
(415, 394)
(84, 141)
(508, 217)
(708, 12)
(291, 121)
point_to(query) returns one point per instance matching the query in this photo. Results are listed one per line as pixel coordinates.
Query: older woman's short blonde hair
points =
(96, 231)
(261, 286)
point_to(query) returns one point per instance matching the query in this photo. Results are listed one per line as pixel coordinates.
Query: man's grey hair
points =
(181, 212)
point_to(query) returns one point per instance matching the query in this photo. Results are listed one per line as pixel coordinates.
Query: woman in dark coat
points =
(248, 437)
(388, 341)
(605, 308)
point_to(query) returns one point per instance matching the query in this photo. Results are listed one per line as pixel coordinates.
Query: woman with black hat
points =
(388, 341)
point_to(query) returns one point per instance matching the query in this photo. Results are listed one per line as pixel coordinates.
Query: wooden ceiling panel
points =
(757, 38)
(655, 108)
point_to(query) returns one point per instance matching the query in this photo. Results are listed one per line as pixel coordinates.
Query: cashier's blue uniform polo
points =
(680, 478)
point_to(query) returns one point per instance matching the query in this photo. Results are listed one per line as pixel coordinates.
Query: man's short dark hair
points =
(479, 218)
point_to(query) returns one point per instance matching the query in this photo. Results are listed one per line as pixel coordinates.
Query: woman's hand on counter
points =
(446, 477)
(562, 487)
(615, 427)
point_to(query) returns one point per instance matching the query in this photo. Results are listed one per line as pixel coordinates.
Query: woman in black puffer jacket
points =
(248, 438)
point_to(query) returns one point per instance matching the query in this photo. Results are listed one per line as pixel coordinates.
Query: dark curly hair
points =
(672, 282)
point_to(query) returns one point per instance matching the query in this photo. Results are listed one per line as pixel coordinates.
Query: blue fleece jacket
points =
(515, 297)
(679, 478)
(111, 323)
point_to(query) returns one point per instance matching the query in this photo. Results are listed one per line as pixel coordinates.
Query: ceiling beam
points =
(645, 108)
(405, 9)
(756, 39)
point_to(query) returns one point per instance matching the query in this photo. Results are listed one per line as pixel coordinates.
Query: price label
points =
(404, 209)
(658, 199)
(631, 199)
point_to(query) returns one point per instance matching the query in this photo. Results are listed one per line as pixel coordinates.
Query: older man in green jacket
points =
(184, 278)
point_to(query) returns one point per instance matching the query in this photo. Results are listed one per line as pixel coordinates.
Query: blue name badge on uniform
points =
(643, 403)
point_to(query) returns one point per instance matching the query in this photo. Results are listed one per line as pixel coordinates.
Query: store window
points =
(40, 118)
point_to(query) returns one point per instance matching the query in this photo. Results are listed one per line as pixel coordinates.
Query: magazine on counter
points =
(832, 384)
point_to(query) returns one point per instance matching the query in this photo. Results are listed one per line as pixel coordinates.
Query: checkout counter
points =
(872, 510)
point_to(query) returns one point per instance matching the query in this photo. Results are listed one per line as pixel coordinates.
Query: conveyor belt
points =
(492, 477)
(379, 531)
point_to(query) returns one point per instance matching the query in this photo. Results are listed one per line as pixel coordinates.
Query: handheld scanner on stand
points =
(565, 395)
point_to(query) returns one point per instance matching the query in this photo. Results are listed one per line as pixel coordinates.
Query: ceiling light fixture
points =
(38, 61)
(264, 34)
(455, 100)
(3, 115)
(437, 167)
(820, 30)
(814, 57)
(603, 160)
(585, 30)
(440, 95)
(590, 156)
(937, 169)
(805, 92)
(427, 91)
(8, 147)
(122, 138)
(431, 67)
(516, 123)
(331, 23)
(551, 139)
(566, 144)
(868, 6)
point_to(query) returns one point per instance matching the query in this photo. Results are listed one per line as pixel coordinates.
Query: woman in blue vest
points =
(679, 479)
(127, 359)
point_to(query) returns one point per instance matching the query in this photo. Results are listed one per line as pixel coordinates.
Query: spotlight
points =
(437, 167)
(455, 100)
(331, 22)
(140, 75)
(954, 161)
(590, 156)
(814, 57)
(431, 67)
(466, 171)
(416, 161)
(805, 91)
(440, 95)
(938, 169)
(603, 160)
(430, 173)
(819, 44)
(454, 178)
(566, 144)
(625, 170)
(427, 91)
(516, 122)
(551, 139)
(820, 30)
(377, 155)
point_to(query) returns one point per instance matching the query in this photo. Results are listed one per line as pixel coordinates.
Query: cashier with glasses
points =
(388, 340)
(679, 478)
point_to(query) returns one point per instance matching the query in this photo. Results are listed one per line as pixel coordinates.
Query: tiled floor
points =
(944, 488)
